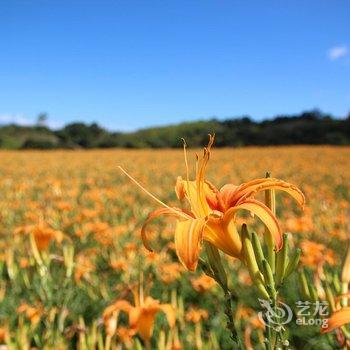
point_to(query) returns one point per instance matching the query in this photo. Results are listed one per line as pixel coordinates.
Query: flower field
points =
(75, 273)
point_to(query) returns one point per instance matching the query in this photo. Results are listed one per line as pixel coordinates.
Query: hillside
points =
(306, 128)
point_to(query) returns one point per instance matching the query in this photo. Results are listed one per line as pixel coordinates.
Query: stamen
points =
(187, 173)
(186, 162)
(152, 196)
(200, 175)
(135, 293)
(141, 294)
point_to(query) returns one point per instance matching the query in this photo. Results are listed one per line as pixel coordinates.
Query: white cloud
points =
(337, 52)
(15, 119)
(22, 120)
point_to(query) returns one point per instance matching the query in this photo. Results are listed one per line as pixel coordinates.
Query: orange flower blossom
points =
(212, 212)
(141, 316)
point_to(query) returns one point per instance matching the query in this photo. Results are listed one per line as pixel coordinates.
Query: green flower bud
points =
(251, 263)
(281, 261)
(304, 285)
(259, 255)
(293, 263)
(269, 280)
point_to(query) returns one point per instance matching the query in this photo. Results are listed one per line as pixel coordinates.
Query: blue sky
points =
(131, 64)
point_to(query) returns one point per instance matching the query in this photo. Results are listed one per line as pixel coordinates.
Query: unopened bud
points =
(259, 255)
(281, 262)
(269, 280)
(251, 263)
(329, 296)
(293, 263)
(304, 285)
(215, 263)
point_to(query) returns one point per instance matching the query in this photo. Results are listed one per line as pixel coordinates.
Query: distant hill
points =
(311, 127)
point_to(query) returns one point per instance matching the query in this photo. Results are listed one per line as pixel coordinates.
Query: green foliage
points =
(312, 127)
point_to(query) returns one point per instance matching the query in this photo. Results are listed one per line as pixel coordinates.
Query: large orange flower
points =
(212, 213)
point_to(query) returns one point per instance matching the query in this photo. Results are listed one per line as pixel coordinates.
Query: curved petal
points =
(263, 213)
(249, 189)
(123, 305)
(180, 188)
(213, 197)
(175, 212)
(338, 319)
(119, 305)
(227, 192)
(145, 323)
(223, 236)
(134, 315)
(188, 239)
(169, 313)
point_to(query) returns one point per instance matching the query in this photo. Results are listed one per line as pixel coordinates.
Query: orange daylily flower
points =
(83, 267)
(212, 213)
(169, 272)
(203, 283)
(142, 315)
(315, 255)
(32, 313)
(44, 234)
(338, 319)
(3, 334)
(196, 315)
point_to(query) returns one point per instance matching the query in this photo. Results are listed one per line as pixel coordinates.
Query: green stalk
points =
(217, 271)
(270, 202)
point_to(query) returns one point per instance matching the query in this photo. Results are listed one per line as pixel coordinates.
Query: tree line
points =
(311, 127)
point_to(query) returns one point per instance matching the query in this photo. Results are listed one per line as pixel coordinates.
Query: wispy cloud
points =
(15, 119)
(337, 52)
(20, 119)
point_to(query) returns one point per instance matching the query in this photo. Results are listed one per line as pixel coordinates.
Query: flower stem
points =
(231, 323)
(215, 269)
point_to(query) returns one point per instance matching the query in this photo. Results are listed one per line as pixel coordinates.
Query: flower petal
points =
(213, 197)
(180, 188)
(145, 322)
(169, 313)
(234, 195)
(188, 238)
(188, 189)
(338, 319)
(224, 236)
(175, 212)
(263, 213)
